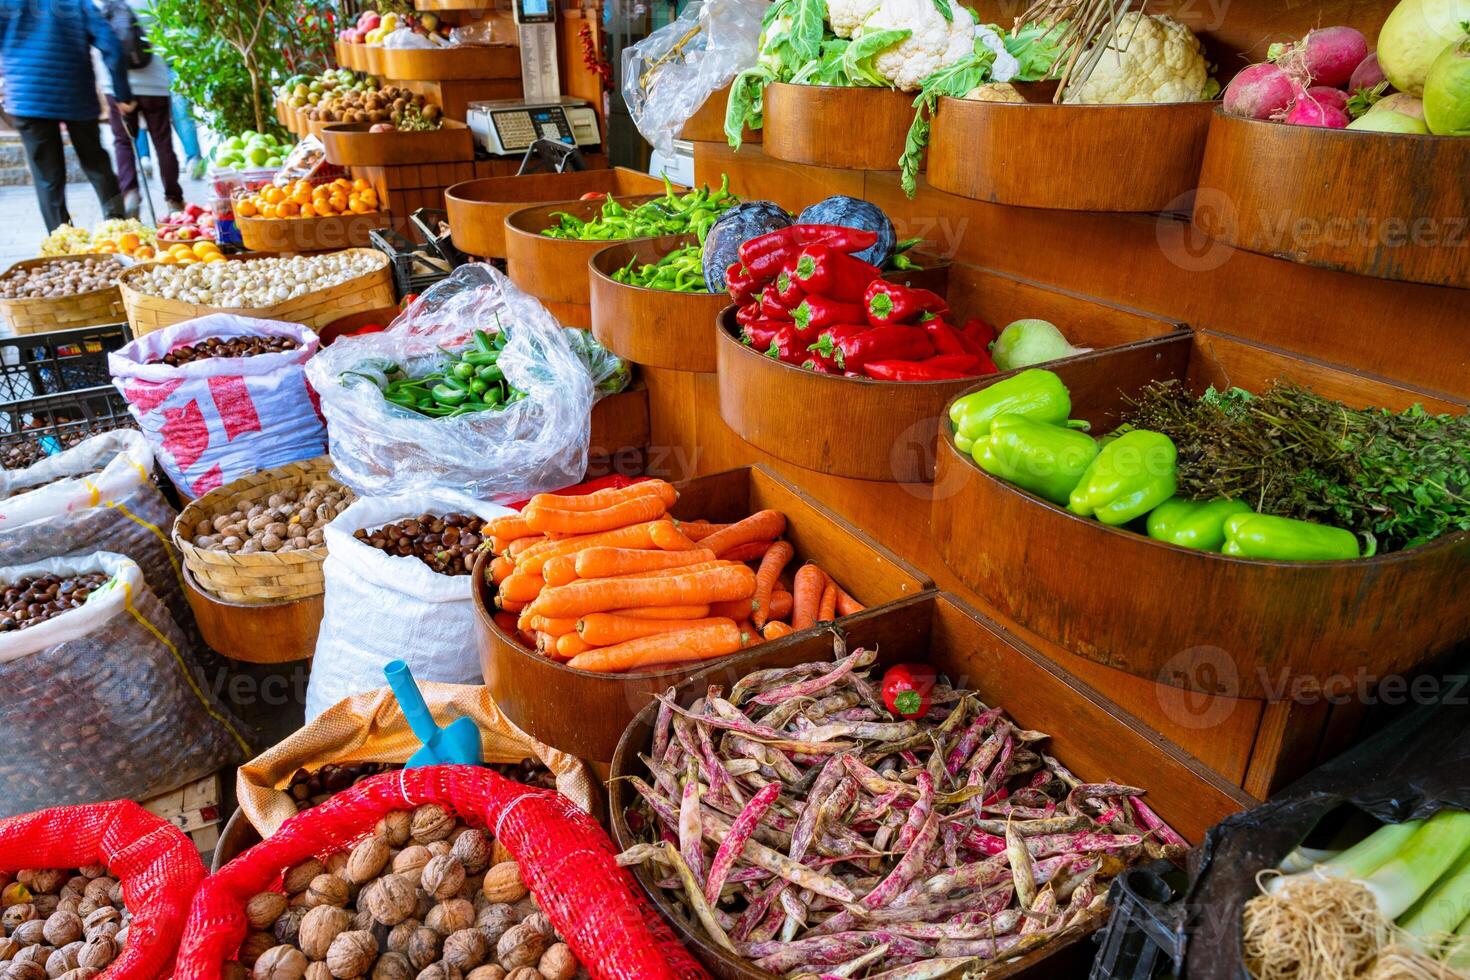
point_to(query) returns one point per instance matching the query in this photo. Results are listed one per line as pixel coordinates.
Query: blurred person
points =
(187, 132)
(148, 80)
(46, 61)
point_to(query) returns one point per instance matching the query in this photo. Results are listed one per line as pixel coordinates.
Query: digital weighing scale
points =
(508, 127)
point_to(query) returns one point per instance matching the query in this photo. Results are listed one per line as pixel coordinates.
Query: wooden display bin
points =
(584, 713)
(656, 327)
(707, 125)
(326, 233)
(1090, 735)
(837, 126)
(620, 432)
(448, 64)
(478, 208)
(44, 314)
(1297, 193)
(352, 145)
(277, 632)
(809, 419)
(1041, 155)
(1208, 622)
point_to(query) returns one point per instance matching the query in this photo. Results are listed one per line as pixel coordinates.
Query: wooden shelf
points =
(469, 63)
(353, 145)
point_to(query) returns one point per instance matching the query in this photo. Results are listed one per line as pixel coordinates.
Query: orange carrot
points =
(702, 643)
(698, 566)
(664, 612)
(749, 635)
(522, 587)
(509, 528)
(775, 629)
(672, 539)
(827, 610)
(765, 525)
(553, 627)
(560, 570)
(545, 644)
(500, 569)
(509, 606)
(753, 551)
(600, 499)
(568, 645)
(846, 604)
(806, 596)
(605, 629)
(606, 562)
(780, 604)
(698, 530)
(506, 622)
(736, 609)
(604, 594)
(520, 546)
(636, 536)
(635, 510)
(774, 561)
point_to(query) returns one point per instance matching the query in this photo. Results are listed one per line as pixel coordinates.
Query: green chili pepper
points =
(490, 373)
(463, 370)
(478, 387)
(482, 342)
(445, 395)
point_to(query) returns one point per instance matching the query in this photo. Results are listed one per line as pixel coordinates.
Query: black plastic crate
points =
(433, 224)
(413, 272)
(39, 427)
(33, 365)
(1144, 937)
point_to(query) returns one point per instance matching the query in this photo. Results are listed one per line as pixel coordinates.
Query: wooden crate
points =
(90, 309)
(193, 808)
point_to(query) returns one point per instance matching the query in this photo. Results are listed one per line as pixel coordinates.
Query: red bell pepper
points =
(819, 312)
(839, 237)
(911, 371)
(824, 271)
(748, 314)
(740, 284)
(767, 265)
(758, 335)
(761, 244)
(907, 689)
(981, 334)
(771, 305)
(887, 302)
(787, 290)
(787, 345)
(852, 351)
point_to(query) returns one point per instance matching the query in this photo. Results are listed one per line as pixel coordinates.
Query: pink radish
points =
(1326, 56)
(1367, 74)
(1309, 112)
(1329, 96)
(1259, 92)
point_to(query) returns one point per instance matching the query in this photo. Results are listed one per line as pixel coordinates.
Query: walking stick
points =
(143, 189)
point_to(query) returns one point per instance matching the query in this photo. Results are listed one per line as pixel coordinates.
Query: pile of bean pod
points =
(678, 272)
(820, 834)
(672, 214)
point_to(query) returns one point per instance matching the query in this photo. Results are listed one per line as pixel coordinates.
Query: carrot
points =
(506, 622)
(520, 546)
(672, 539)
(664, 612)
(553, 627)
(528, 640)
(765, 525)
(806, 596)
(698, 530)
(635, 510)
(606, 562)
(604, 594)
(509, 528)
(683, 646)
(545, 644)
(780, 604)
(522, 587)
(827, 610)
(568, 645)
(749, 635)
(500, 569)
(775, 629)
(846, 604)
(606, 629)
(754, 551)
(698, 566)
(636, 536)
(600, 499)
(507, 605)
(736, 609)
(560, 570)
(774, 561)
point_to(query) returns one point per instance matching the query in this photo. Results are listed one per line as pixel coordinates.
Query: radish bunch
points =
(1311, 82)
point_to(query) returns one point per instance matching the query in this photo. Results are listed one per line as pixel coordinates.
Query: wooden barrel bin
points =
(554, 270)
(269, 633)
(42, 315)
(1091, 736)
(584, 713)
(1237, 627)
(352, 145)
(1042, 155)
(448, 64)
(836, 126)
(656, 327)
(1297, 193)
(810, 419)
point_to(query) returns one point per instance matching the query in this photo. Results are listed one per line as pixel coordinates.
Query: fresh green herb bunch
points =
(671, 214)
(1403, 477)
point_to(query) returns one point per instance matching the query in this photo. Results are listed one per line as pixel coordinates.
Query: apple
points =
(370, 20)
(193, 210)
(428, 21)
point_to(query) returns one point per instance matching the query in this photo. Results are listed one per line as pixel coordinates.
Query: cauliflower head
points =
(934, 43)
(994, 92)
(846, 16)
(1151, 58)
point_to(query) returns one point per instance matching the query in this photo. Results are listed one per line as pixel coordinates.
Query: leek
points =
(1458, 957)
(1305, 859)
(1427, 855)
(1437, 914)
(1364, 857)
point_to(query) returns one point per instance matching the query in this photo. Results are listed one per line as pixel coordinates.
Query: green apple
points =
(258, 155)
(1388, 122)
(1447, 91)
(234, 143)
(273, 161)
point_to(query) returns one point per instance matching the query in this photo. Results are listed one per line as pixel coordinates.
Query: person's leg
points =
(140, 144)
(124, 129)
(86, 139)
(46, 157)
(157, 112)
(183, 120)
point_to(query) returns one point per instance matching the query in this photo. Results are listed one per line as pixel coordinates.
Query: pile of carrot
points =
(608, 581)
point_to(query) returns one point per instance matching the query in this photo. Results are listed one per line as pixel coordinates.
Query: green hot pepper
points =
(1048, 460)
(1196, 524)
(680, 271)
(671, 214)
(1035, 393)
(470, 380)
(1129, 477)
(1286, 539)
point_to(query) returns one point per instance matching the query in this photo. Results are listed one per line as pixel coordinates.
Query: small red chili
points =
(906, 689)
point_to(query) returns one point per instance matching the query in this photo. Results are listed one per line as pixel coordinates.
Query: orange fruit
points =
(247, 208)
(301, 194)
(307, 211)
(205, 248)
(370, 198)
(129, 241)
(338, 203)
(267, 210)
(214, 257)
(273, 195)
(180, 249)
(144, 252)
(361, 184)
(288, 209)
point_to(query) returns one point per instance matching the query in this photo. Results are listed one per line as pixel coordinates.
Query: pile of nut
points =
(387, 104)
(30, 450)
(253, 283)
(226, 347)
(66, 924)
(425, 898)
(291, 519)
(54, 479)
(56, 279)
(446, 544)
(309, 789)
(34, 600)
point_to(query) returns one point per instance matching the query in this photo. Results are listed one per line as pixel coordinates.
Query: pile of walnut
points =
(292, 519)
(425, 898)
(66, 924)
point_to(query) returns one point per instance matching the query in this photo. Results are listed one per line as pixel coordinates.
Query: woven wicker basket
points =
(262, 577)
(370, 291)
(93, 309)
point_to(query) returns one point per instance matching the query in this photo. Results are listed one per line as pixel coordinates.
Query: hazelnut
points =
(280, 963)
(473, 850)
(423, 947)
(410, 863)
(431, 822)
(262, 911)
(392, 900)
(352, 954)
(466, 949)
(396, 827)
(443, 877)
(503, 883)
(558, 963)
(367, 860)
(320, 927)
(520, 946)
(299, 877)
(451, 916)
(326, 889)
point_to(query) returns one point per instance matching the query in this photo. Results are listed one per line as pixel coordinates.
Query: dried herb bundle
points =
(1403, 477)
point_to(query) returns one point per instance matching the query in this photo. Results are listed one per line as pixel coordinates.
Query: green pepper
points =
(464, 371)
(445, 395)
(478, 387)
(489, 373)
(401, 398)
(1129, 477)
(481, 358)
(1196, 524)
(1285, 539)
(1035, 393)
(1048, 460)
(482, 342)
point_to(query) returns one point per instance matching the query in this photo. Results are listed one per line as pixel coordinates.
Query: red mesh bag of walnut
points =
(566, 859)
(158, 867)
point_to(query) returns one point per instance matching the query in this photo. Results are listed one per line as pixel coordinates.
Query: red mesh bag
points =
(158, 867)
(566, 860)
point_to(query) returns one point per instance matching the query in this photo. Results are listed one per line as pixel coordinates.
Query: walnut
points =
(431, 822)
(493, 920)
(80, 973)
(320, 927)
(300, 876)
(392, 899)
(558, 963)
(34, 954)
(47, 881)
(352, 954)
(16, 914)
(473, 850)
(466, 949)
(25, 970)
(97, 921)
(367, 860)
(438, 971)
(395, 828)
(99, 889)
(69, 903)
(62, 960)
(97, 953)
(400, 934)
(491, 972)
(451, 916)
(280, 963)
(121, 938)
(410, 863)
(262, 911)
(8, 949)
(318, 971)
(393, 966)
(288, 926)
(31, 933)
(524, 973)
(423, 947)
(541, 922)
(500, 853)
(363, 921)
(439, 848)
(503, 883)
(443, 877)
(336, 863)
(326, 889)
(233, 971)
(520, 946)
(254, 946)
(424, 906)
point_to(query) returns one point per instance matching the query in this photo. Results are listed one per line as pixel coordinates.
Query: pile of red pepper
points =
(805, 299)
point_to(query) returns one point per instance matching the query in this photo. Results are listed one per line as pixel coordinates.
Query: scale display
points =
(534, 12)
(517, 129)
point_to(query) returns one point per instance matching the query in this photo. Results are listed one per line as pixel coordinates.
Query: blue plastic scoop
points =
(456, 744)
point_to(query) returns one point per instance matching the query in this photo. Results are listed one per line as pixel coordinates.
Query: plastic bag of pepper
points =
(805, 299)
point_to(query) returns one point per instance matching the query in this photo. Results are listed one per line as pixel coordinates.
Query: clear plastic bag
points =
(610, 373)
(496, 28)
(535, 444)
(669, 74)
